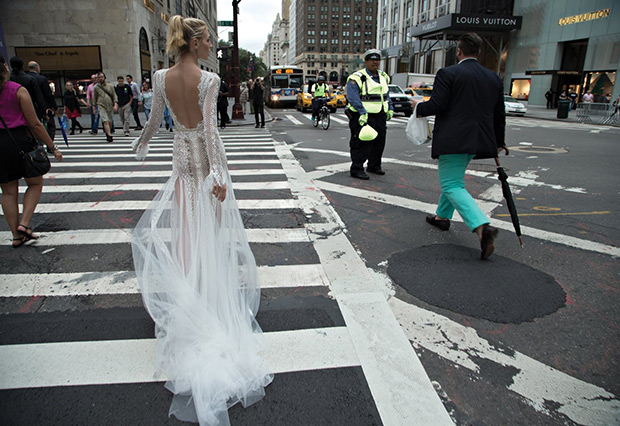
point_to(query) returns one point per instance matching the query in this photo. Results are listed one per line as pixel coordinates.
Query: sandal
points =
(25, 233)
(21, 240)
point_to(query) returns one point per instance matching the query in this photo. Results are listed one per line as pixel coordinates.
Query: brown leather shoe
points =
(489, 233)
(443, 224)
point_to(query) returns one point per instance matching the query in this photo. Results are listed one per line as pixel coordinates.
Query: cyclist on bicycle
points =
(319, 92)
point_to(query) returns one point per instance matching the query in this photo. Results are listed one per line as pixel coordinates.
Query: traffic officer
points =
(369, 103)
(318, 90)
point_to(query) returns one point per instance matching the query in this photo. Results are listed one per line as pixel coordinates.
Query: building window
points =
(334, 64)
(310, 41)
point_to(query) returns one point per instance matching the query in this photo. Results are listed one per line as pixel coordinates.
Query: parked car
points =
(304, 100)
(400, 100)
(513, 106)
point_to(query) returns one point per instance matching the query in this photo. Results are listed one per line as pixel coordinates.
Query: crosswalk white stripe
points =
(124, 282)
(160, 154)
(338, 120)
(150, 174)
(132, 361)
(241, 186)
(99, 206)
(293, 119)
(123, 236)
(105, 164)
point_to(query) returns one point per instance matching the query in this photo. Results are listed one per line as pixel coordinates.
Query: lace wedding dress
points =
(197, 273)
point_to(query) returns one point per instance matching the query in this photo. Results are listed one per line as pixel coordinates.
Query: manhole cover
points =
(538, 149)
(497, 289)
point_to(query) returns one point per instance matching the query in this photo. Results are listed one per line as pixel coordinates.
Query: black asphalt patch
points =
(497, 289)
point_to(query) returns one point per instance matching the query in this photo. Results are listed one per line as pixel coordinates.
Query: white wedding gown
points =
(197, 273)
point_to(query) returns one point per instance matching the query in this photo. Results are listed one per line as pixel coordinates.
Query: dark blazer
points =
(468, 102)
(44, 87)
(33, 89)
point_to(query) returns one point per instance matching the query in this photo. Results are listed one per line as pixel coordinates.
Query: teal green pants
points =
(453, 193)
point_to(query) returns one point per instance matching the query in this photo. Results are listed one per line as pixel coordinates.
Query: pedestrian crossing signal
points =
(222, 53)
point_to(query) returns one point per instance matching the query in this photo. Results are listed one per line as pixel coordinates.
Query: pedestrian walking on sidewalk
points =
(94, 112)
(251, 95)
(244, 96)
(18, 122)
(258, 91)
(72, 106)
(105, 98)
(135, 92)
(222, 104)
(470, 122)
(146, 99)
(125, 98)
(193, 262)
(369, 104)
(549, 98)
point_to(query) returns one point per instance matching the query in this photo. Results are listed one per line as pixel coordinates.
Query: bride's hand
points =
(219, 192)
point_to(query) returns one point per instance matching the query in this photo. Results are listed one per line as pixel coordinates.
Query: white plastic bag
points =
(418, 130)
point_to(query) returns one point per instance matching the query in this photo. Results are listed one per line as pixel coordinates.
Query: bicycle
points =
(323, 115)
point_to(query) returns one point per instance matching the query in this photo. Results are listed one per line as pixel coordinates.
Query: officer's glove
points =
(363, 119)
(389, 115)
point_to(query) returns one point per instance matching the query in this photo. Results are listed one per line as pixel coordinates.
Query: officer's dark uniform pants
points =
(362, 151)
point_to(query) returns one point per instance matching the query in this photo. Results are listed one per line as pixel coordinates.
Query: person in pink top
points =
(17, 111)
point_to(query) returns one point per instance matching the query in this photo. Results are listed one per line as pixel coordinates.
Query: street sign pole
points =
(237, 110)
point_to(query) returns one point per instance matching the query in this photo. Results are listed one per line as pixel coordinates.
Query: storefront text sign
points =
(459, 22)
(603, 13)
(62, 58)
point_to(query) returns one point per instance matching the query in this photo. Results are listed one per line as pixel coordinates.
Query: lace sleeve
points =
(215, 147)
(141, 144)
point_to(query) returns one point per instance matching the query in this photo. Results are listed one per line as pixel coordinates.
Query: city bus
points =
(282, 85)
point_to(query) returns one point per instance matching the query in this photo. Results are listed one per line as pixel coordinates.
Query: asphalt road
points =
(372, 316)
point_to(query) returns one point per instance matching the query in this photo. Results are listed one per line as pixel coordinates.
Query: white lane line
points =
(105, 164)
(150, 174)
(99, 206)
(538, 383)
(123, 236)
(338, 120)
(402, 391)
(92, 147)
(132, 361)
(124, 282)
(485, 206)
(293, 119)
(242, 186)
(114, 156)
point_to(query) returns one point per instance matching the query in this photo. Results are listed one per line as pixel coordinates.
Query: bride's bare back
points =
(182, 92)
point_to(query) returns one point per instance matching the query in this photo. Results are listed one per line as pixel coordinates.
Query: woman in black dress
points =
(72, 107)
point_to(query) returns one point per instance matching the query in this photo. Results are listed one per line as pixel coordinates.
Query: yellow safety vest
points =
(374, 96)
(319, 90)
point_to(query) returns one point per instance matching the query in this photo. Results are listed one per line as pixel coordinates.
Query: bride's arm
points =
(141, 144)
(215, 147)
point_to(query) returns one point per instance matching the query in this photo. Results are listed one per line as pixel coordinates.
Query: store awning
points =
(455, 24)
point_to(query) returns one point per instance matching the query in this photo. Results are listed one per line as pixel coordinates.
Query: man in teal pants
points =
(470, 122)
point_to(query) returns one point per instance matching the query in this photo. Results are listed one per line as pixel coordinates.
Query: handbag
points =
(418, 130)
(36, 162)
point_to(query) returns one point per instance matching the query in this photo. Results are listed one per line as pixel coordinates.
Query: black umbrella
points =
(503, 177)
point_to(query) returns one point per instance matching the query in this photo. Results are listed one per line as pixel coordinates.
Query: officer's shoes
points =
(378, 171)
(360, 175)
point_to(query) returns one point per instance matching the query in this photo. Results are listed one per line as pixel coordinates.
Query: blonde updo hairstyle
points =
(181, 31)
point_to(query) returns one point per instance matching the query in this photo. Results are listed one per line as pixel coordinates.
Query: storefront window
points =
(601, 84)
(521, 89)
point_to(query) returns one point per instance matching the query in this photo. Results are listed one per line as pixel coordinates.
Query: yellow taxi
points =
(304, 100)
(425, 92)
(341, 98)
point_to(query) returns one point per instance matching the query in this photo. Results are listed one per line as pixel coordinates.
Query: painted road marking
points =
(105, 164)
(126, 187)
(538, 383)
(402, 391)
(123, 236)
(293, 120)
(556, 214)
(133, 361)
(125, 282)
(151, 173)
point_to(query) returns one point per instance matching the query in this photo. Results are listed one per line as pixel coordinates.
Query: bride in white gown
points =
(194, 265)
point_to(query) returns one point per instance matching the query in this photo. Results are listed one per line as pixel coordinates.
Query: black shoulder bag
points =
(36, 162)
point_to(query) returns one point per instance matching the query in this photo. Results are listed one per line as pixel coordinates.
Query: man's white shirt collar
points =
(465, 59)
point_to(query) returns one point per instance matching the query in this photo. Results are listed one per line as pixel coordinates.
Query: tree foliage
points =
(260, 69)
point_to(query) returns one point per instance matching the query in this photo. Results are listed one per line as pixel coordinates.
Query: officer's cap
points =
(321, 78)
(372, 54)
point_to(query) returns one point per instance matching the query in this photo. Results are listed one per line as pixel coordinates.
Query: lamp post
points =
(237, 110)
